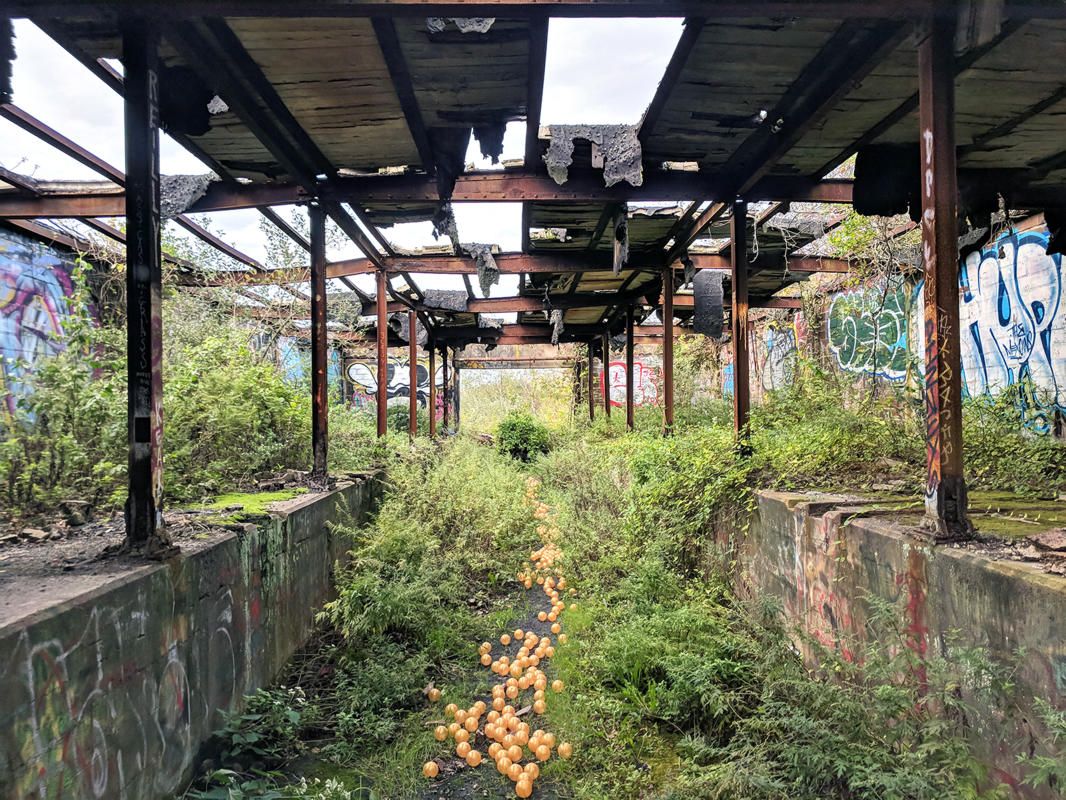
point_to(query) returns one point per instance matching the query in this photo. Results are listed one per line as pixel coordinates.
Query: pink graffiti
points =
(645, 384)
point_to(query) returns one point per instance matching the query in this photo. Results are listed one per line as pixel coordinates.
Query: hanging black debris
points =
(690, 267)
(488, 274)
(707, 288)
(556, 319)
(449, 147)
(1056, 225)
(615, 148)
(445, 299)
(621, 239)
(7, 59)
(444, 225)
(887, 180)
(184, 101)
(490, 139)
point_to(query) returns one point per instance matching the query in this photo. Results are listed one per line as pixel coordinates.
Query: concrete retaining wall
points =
(822, 561)
(111, 693)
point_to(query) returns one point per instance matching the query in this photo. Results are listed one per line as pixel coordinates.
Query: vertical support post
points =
(383, 353)
(592, 382)
(319, 345)
(457, 392)
(738, 227)
(412, 374)
(945, 492)
(629, 368)
(144, 288)
(605, 343)
(668, 350)
(576, 389)
(444, 385)
(432, 387)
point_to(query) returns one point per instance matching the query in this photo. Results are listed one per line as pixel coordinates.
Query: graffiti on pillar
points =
(646, 379)
(868, 329)
(363, 377)
(35, 287)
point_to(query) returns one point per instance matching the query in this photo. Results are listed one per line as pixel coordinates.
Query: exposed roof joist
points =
(827, 9)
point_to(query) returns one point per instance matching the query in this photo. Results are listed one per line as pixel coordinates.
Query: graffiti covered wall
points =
(35, 287)
(363, 379)
(1012, 326)
(647, 378)
(110, 687)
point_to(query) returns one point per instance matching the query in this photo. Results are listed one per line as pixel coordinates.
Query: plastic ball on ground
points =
(473, 758)
(440, 733)
(430, 769)
(523, 788)
(434, 694)
(566, 750)
(462, 749)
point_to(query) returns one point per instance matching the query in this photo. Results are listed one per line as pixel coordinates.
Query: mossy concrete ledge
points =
(112, 692)
(822, 557)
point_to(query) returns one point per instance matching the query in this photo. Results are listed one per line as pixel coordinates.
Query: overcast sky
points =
(598, 71)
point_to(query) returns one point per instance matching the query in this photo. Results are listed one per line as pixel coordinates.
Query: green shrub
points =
(522, 437)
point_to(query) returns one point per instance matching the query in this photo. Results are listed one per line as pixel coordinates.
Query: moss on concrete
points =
(253, 504)
(1008, 515)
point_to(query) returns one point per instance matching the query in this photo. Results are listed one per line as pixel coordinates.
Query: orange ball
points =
(462, 749)
(450, 709)
(462, 735)
(503, 764)
(486, 659)
(434, 694)
(556, 627)
(557, 686)
(523, 788)
(473, 758)
(470, 724)
(460, 715)
(440, 733)
(543, 753)
(430, 769)
(566, 750)
(539, 707)
(514, 772)
(505, 640)
(514, 752)
(532, 770)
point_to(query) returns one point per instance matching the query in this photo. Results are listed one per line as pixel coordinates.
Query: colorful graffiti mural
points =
(646, 380)
(363, 377)
(35, 287)
(867, 329)
(1012, 326)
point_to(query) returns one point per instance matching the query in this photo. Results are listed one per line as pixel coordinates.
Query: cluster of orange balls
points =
(509, 736)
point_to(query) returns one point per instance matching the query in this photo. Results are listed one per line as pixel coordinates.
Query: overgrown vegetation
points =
(676, 689)
(520, 436)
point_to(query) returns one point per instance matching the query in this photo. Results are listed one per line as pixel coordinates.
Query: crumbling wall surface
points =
(822, 563)
(112, 692)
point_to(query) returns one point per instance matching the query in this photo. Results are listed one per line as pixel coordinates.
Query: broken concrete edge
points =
(277, 511)
(617, 147)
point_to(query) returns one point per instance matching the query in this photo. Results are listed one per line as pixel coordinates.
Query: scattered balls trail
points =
(513, 746)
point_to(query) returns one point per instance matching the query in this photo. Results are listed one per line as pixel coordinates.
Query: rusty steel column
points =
(605, 343)
(144, 287)
(383, 353)
(738, 227)
(592, 383)
(668, 351)
(432, 400)
(444, 386)
(629, 368)
(412, 374)
(319, 345)
(945, 491)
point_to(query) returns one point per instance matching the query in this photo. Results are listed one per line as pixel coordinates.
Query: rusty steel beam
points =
(475, 187)
(144, 289)
(945, 491)
(591, 383)
(382, 353)
(444, 385)
(778, 302)
(668, 351)
(432, 402)
(538, 56)
(738, 228)
(605, 360)
(319, 353)
(629, 368)
(412, 374)
(501, 362)
(515, 9)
